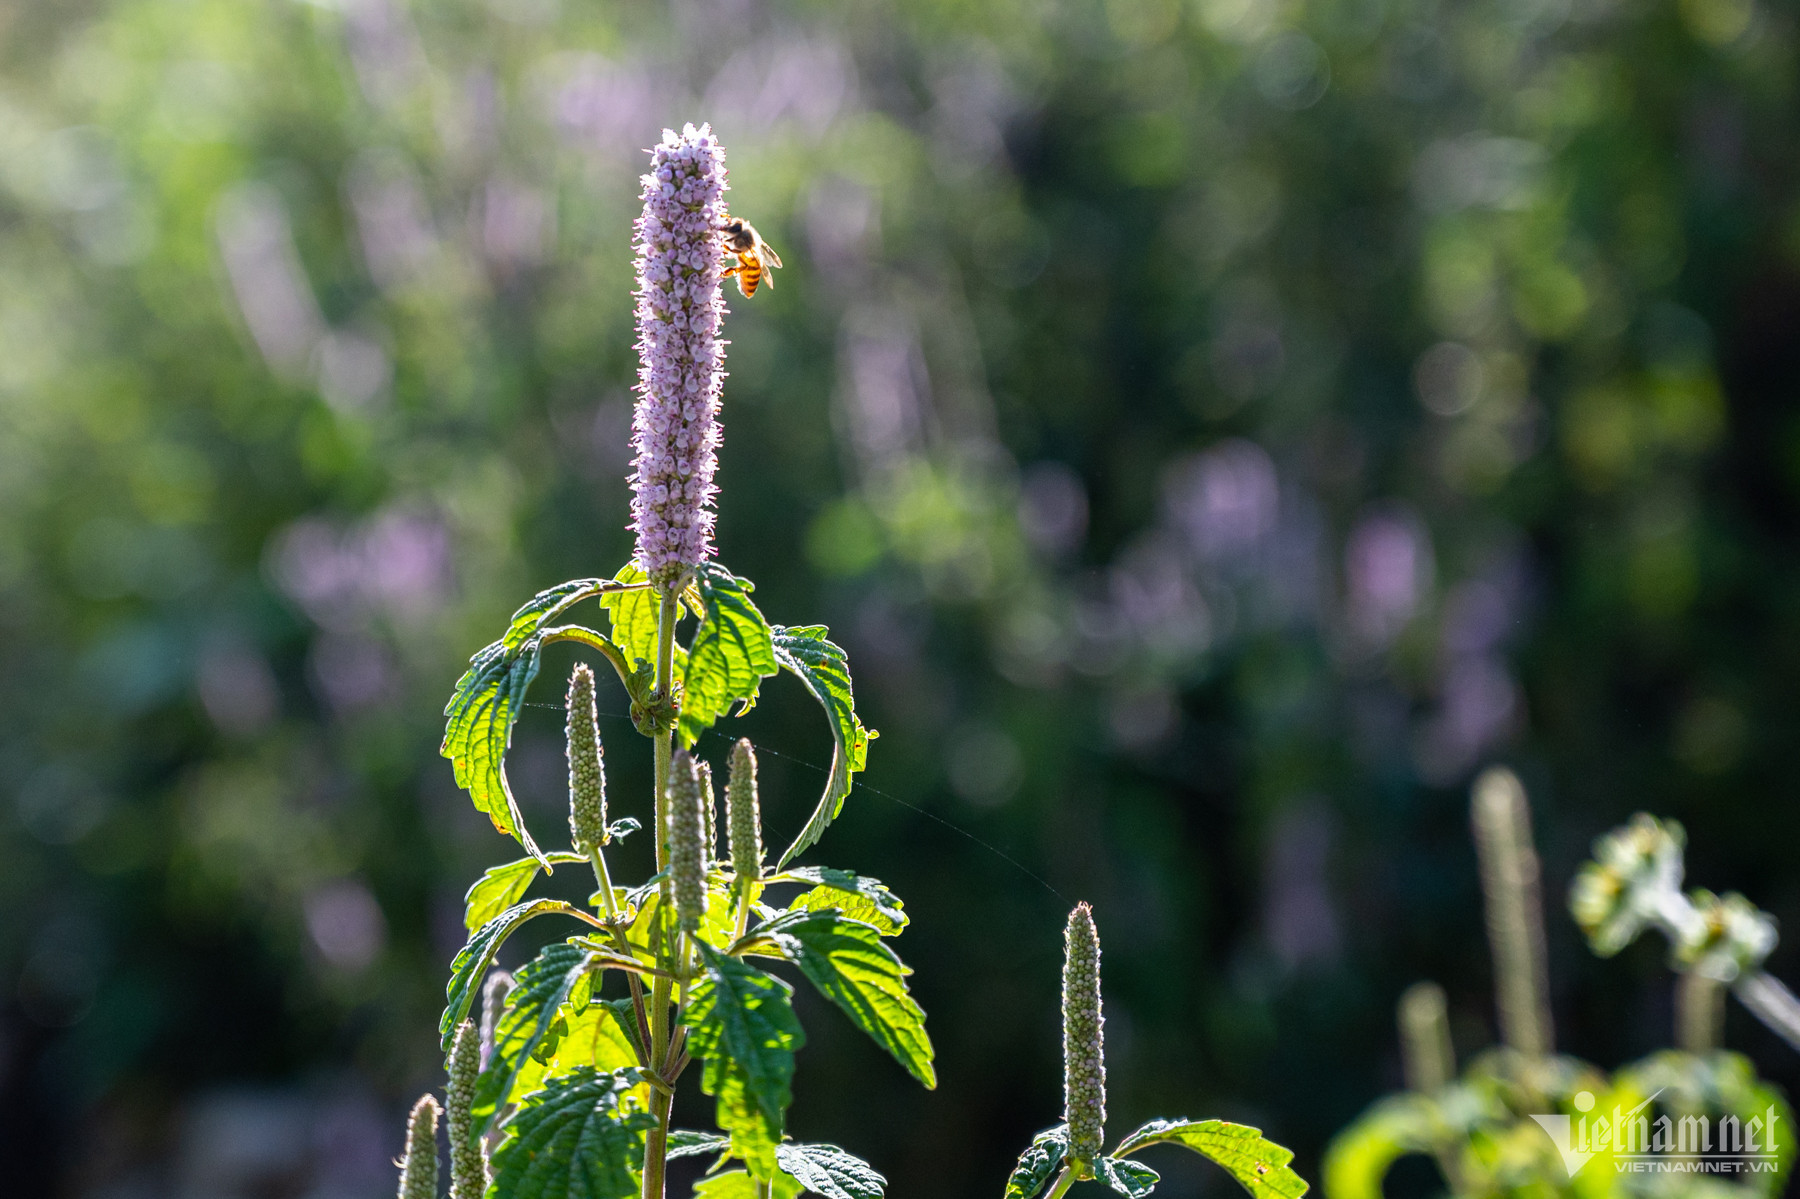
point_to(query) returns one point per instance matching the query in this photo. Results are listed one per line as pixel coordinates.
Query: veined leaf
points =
(741, 1021)
(1260, 1165)
(859, 898)
(486, 703)
(533, 1006)
(574, 1137)
(730, 655)
(633, 615)
(503, 886)
(1132, 1179)
(685, 1143)
(583, 1034)
(735, 1184)
(829, 1171)
(850, 965)
(473, 960)
(1041, 1159)
(822, 667)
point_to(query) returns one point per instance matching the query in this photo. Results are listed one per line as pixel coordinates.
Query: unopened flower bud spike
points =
(468, 1153)
(1515, 914)
(1084, 1045)
(419, 1168)
(686, 833)
(743, 820)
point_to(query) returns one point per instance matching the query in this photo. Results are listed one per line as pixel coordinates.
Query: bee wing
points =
(771, 255)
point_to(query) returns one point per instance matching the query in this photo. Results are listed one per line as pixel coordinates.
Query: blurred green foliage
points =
(1213, 427)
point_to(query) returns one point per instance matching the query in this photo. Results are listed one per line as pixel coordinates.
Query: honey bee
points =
(754, 257)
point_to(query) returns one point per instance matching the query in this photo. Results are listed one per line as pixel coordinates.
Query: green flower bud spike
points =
(468, 1154)
(419, 1168)
(709, 803)
(494, 990)
(587, 771)
(1515, 913)
(1426, 1053)
(1084, 1047)
(685, 837)
(743, 813)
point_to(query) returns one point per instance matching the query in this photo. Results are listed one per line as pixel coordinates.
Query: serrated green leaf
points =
(486, 703)
(633, 615)
(735, 1184)
(822, 667)
(859, 898)
(847, 961)
(1260, 1165)
(533, 1007)
(503, 886)
(1042, 1158)
(573, 1138)
(829, 1171)
(730, 655)
(473, 960)
(583, 1034)
(1131, 1179)
(687, 1143)
(741, 1022)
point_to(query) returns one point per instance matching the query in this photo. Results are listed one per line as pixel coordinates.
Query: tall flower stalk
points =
(579, 1087)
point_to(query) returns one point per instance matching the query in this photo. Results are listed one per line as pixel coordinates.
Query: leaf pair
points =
(816, 1169)
(1260, 1165)
(574, 1137)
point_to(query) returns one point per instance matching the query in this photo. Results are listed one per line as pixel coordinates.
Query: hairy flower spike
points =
(709, 804)
(419, 1168)
(743, 813)
(680, 257)
(468, 1155)
(494, 990)
(587, 769)
(687, 852)
(1515, 914)
(1084, 1042)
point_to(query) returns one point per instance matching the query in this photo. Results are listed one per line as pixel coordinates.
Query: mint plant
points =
(1073, 1151)
(1488, 1130)
(571, 1073)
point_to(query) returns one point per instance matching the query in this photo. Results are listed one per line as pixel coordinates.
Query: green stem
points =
(656, 1145)
(641, 1041)
(1063, 1182)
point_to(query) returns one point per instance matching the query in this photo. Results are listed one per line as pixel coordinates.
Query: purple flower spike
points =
(680, 258)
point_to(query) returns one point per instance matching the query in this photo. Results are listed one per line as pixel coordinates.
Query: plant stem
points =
(656, 1145)
(1063, 1182)
(604, 880)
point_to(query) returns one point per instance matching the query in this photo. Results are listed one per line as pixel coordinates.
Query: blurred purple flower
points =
(1225, 500)
(1387, 568)
(680, 259)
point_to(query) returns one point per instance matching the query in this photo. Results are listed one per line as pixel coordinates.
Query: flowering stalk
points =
(1084, 1048)
(1427, 1056)
(468, 1155)
(709, 810)
(687, 849)
(680, 257)
(587, 769)
(419, 1168)
(1515, 914)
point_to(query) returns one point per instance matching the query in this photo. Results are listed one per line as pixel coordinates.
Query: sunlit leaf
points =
(1260, 1165)
(1040, 1160)
(583, 1034)
(1359, 1156)
(503, 886)
(730, 654)
(829, 1171)
(822, 667)
(859, 898)
(473, 960)
(687, 1143)
(633, 615)
(847, 961)
(741, 1022)
(533, 1006)
(735, 1184)
(486, 703)
(1131, 1179)
(573, 1138)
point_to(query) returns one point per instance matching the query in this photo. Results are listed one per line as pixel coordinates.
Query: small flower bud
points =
(419, 1168)
(468, 1154)
(1084, 1046)
(494, 990)
(587, 770)
(687, 828)
(743, 813)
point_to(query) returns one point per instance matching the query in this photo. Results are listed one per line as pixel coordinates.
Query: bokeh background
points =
(1214, 427)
